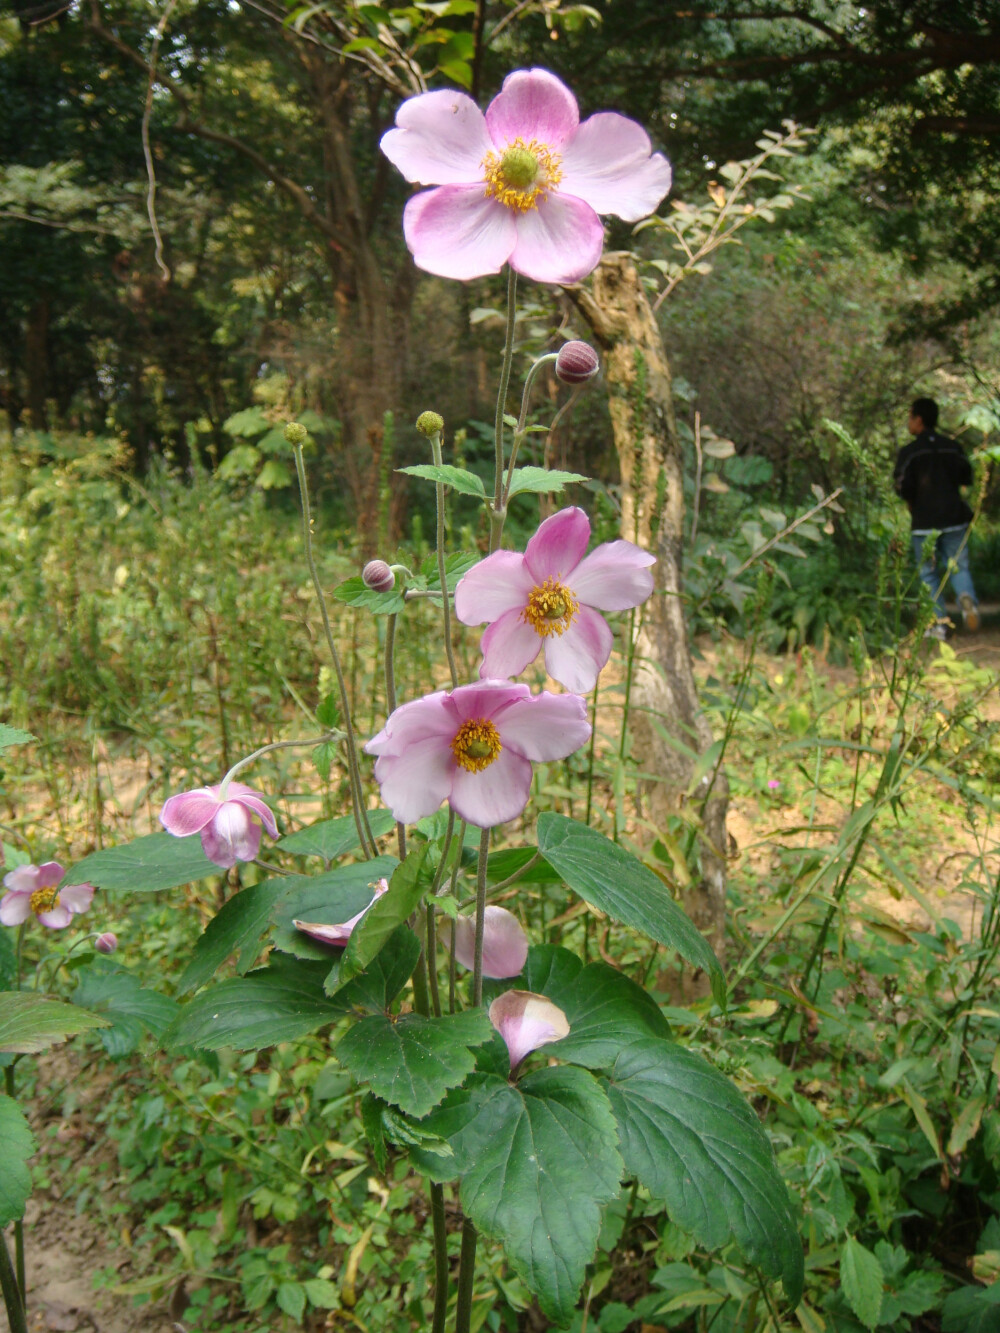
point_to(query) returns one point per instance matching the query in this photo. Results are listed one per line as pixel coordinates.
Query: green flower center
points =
(476, 745)
(519, 167)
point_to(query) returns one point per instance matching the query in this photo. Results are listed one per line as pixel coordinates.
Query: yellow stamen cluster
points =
(476, 745)
(551, 608)
(521, 176)
(43, 900)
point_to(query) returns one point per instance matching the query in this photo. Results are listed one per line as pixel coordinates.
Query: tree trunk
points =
(664, 694)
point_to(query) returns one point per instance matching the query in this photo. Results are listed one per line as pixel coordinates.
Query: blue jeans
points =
(948, 558)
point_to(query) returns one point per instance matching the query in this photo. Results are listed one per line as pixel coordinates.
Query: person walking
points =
(929, 474)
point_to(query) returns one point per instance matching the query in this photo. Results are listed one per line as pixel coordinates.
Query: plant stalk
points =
(497, 511)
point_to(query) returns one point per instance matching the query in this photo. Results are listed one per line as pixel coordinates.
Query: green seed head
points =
(519, 167)
(296, 433)
(430, 423)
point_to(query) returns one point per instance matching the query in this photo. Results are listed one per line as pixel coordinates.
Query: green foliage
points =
(19, 1145)
(30, 1023)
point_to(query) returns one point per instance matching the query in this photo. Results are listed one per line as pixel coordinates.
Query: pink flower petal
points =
(252, 800)
(483, 699)
(495, 795)
(457, 231)
(608, 165)
(23, 879)
(613, 577)
(233, 835)
(417, 780)
(77, 897)
(415, 721)
(15, 907)
(508, 646)
(56, 918)
(505, 945)
(497, 584)
(559, 241)
(558, 546)
(533, 104)
(49, 874)
(189, 811)
(576, 657)
(440, 139)
(526, 1022)
(545, 727)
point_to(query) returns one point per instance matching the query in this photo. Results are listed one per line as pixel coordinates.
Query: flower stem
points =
(519, 433)
(477, 961)
(12, 1297)
(266, 749)
(497, 511)
(390, 706)
(466, 1277)
(440, 1259)
(357, 802)
(445, 600)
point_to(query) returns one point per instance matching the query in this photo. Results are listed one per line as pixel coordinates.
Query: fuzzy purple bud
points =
(106, 943)
(378, 576)
(577, 363)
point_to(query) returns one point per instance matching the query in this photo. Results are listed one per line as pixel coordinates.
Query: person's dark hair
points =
(927, 410)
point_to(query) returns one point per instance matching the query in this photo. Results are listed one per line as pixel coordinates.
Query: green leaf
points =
(12, 736)
(458, 478)
(251, 421)
(274, 476)
(273, 1004)
(537, 1161)
(322, 1293)
(406, 888)
(333, 838)
(241, 923)
(612, 880)
(371, 1123)
(689, 1137)
(385, 976)
(355, 592)
(291, 1298)
(147, 865)
(861, 1279)
(412, 1061)
(110, 990)
(455, 565)
(18, 1145)
(326, 899)
(30, 1023)
(605, 1009)
(542, 480)
(972, 1310)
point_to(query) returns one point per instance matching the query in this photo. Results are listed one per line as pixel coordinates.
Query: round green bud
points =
(296, 433)
(430, 423)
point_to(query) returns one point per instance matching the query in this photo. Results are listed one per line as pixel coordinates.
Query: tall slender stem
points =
(357, 802)
(466, 1277)
(497, 511)
(529, 380)
(390, 706)
(445, 599)
(13, 1297)
(477, 961)
(440, 1259)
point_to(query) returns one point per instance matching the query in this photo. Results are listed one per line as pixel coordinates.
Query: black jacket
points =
(927, 475)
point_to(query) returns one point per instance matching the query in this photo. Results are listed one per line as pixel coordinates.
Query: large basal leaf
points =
(407, 886)
(690, 1137)
(130, 1009)
(613, 880)
(334, 838)
(458, 478)
(30, 1023)
(537, 1161)
(15, 1177)
(412, 1061)
(604, 1008)
(374, 989)
(241, 923)
(328, 899)
(147, 865)
(542, 480)
(273, 1004)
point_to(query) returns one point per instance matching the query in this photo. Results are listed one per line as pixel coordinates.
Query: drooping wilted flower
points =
(341, 933)
(229, 821)
(505, 945)
(527, 1021)
(33, 890)
(523, 183)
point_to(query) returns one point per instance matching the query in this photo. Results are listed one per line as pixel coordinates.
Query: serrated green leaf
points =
(247, 423)
(30, 1023)
(355, 592)
(18, 1146)
(407, 887)
(455, 565)
(333, 838)
(321, 1293)
(371, 1123)
(241, 923)
(146, 865)
(291, 1298)
(605, 1009)
(541, 480)
(377, 986)
(690, 1138)
(972, 1310)
(537, 1161)
(327, 899)
(412, 1061)
(612, 880)
(861, 1281)
(13, 736)
(458, 478)
(109, 990)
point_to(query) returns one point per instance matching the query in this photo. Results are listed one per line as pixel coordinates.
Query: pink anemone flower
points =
(523, 184)
(341, 933)
(473, 747)
(505, 945)
(526, 1021)
(34, 890)
(229, 822)
(550, 597)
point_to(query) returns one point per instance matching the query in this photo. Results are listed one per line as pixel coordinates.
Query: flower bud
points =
(577, 363)
(106, 943)
(295, 433)
(430, 423)
(378, 576)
